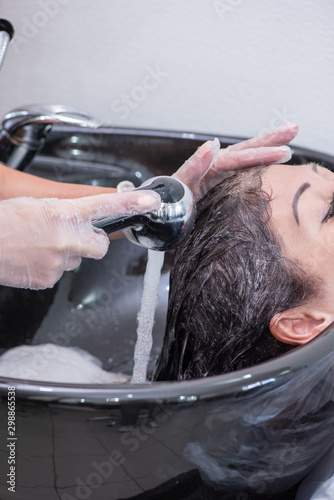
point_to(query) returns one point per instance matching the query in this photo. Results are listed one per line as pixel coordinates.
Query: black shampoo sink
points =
(252, 432)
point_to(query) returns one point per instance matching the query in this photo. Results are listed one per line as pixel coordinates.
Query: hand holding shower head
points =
(165, 228)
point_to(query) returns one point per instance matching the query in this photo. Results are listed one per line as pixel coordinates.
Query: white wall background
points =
(222, 66)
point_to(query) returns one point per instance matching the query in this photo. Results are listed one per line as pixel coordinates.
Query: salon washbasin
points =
(240, 435)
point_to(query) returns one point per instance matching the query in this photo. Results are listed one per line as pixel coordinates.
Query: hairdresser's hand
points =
(209, 165)
(42, 238)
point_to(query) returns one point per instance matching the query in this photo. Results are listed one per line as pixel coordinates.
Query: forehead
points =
(281, 183)
(300, 197)
(286, 178)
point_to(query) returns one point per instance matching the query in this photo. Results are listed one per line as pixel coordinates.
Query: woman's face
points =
(303, 217)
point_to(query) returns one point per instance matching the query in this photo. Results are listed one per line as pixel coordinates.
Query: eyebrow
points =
(298, 194)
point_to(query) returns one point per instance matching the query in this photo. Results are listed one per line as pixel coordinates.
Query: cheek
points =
(313, 250)
(323, 249)
(317, 260)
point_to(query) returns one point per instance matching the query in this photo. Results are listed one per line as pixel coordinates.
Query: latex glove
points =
(42, 238)
(209, 165)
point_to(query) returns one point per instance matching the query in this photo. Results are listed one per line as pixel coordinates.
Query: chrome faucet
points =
(6, 34)
(23, 131)
(165, 228)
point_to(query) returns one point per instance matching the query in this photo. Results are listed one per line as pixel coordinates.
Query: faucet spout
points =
(23, 131)
(163, 229)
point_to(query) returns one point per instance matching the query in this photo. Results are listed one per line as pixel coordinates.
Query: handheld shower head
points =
(165, 228)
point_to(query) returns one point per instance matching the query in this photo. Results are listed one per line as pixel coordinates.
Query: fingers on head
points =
(207, 152)
(252, 157)
(277, 137)
(272, 137)
(194, 169)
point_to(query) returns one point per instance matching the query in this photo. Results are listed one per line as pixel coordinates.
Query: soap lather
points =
(163, 229)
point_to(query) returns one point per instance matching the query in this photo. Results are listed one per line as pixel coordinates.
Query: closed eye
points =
(330, 212)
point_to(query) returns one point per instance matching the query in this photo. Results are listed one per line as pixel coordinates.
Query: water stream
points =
(146, 316)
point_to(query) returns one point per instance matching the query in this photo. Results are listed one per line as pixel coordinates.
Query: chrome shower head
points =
(165, 228)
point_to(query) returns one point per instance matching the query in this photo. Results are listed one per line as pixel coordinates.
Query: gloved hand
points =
(42, 238)
(210, 165)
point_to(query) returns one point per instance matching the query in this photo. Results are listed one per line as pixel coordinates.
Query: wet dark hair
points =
(227, 282)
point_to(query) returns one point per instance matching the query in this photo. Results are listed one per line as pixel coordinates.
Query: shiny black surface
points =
(247, 433)
(169, 189)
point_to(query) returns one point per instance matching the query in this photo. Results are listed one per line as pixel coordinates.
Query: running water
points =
(146, 316)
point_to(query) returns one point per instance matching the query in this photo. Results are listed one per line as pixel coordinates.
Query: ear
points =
(296, 326)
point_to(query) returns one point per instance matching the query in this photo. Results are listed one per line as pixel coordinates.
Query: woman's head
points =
(302, 206)
(239, 277)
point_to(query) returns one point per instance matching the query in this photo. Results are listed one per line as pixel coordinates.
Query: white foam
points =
(54, 363)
